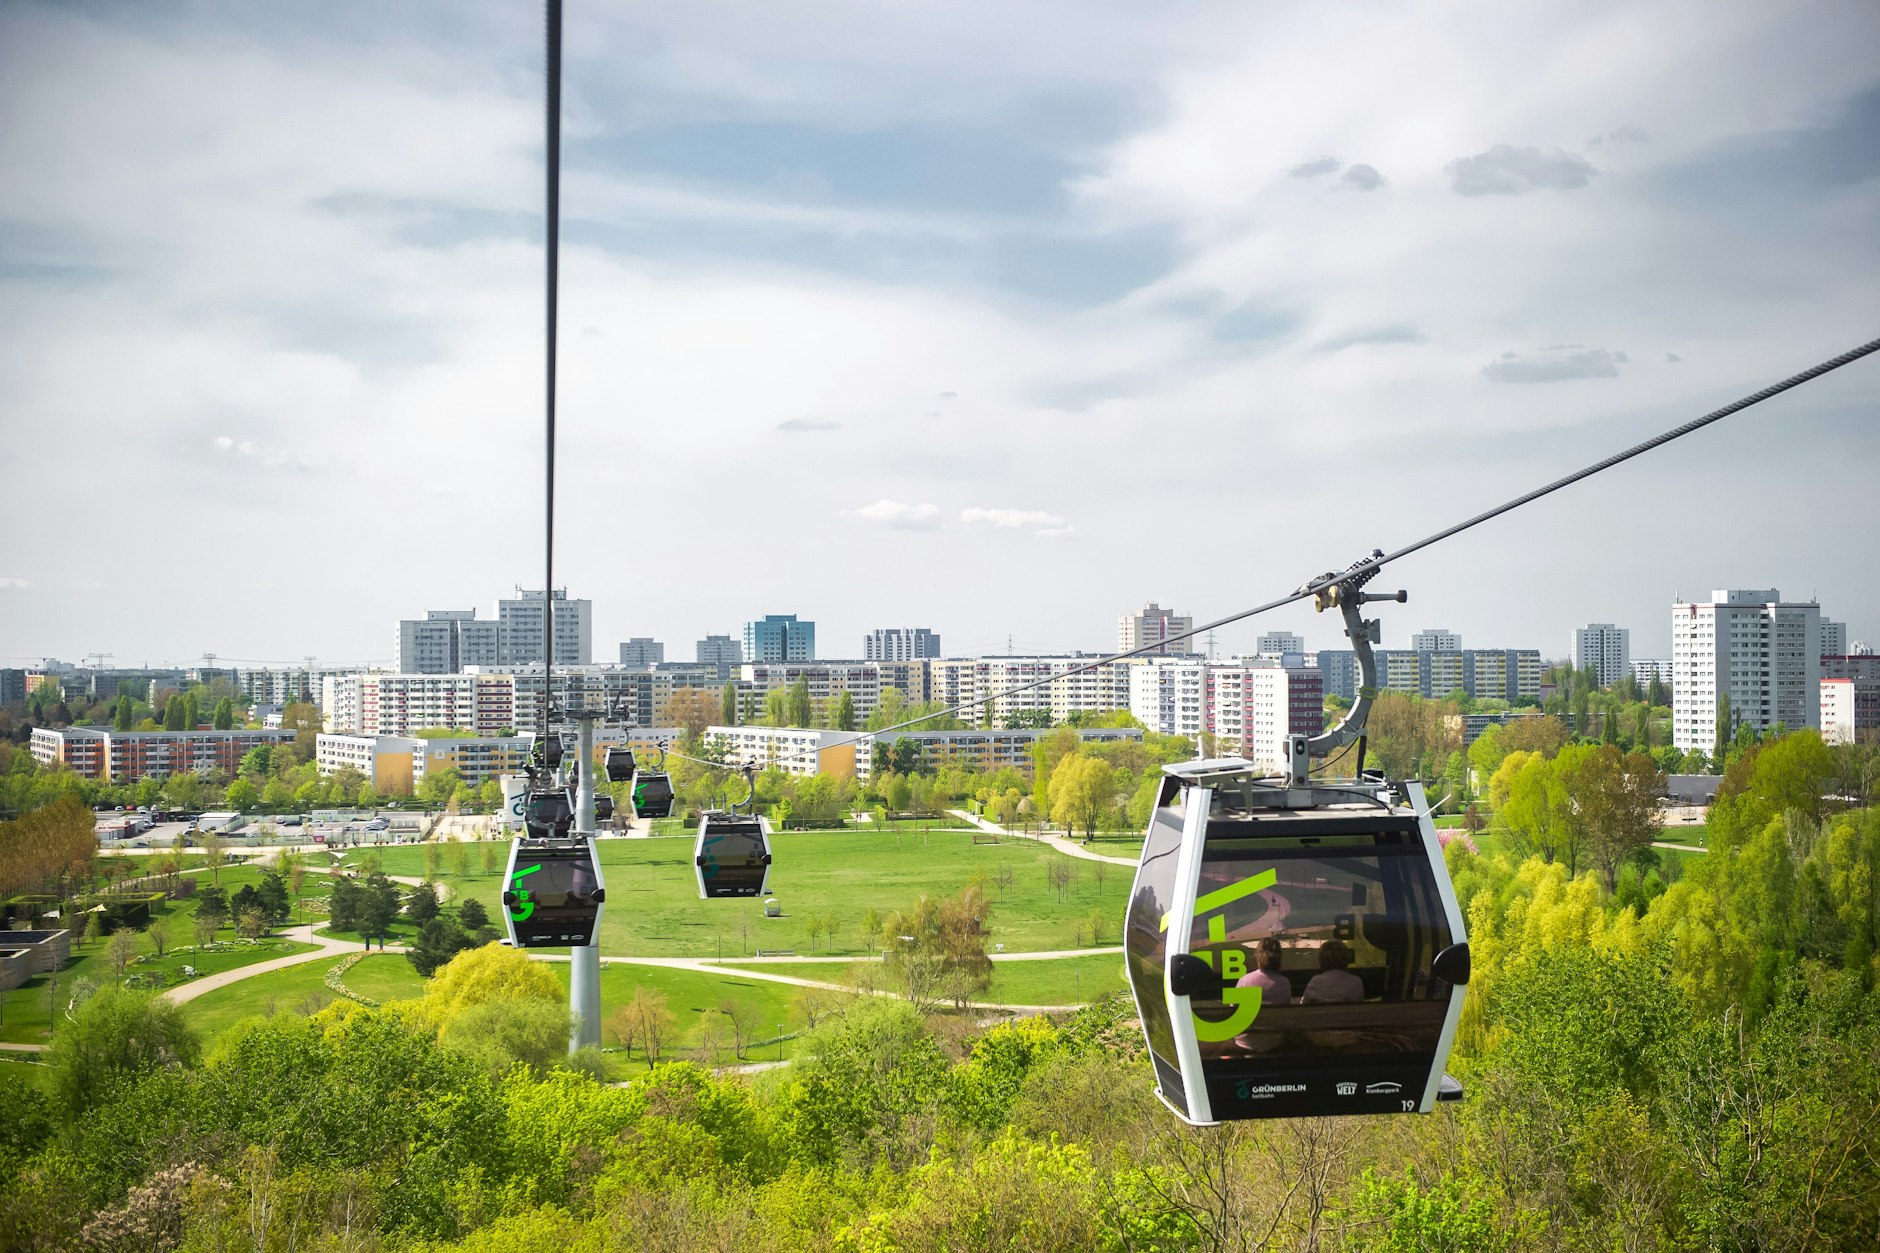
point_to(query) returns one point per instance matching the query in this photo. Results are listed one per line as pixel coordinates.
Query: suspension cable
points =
(552, 237)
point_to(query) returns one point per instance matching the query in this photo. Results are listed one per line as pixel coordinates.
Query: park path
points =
(1682, 848)
(328, 947)
(710, 966)
(1069, 847)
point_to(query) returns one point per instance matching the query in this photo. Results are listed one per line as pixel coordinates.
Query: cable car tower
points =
(1294, 945)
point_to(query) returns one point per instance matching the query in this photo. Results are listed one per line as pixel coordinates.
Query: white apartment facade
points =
(800, 751)
(1752, 647)
(1435, 640)
(1250, 704)
(398, 704)
(991, 681)
(1838, 701)
(1603, 649)
(900, 644)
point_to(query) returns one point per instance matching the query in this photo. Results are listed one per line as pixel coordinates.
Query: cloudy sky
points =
(1000, 319)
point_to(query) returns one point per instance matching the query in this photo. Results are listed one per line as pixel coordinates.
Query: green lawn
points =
(384, 977)
(653, 907)
(301, 989)
(26, 1010)
(1053, 981)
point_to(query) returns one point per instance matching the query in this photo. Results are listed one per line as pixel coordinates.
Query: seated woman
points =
(1275, 989)
(1267, 974)
(1334, 984)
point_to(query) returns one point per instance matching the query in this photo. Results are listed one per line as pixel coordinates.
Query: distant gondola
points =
(732, 855)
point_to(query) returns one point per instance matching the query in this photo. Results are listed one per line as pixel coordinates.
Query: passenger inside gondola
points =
(1334, 984)
(1276, 988)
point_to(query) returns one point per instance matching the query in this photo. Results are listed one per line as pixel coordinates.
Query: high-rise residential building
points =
(125, 756)
(722, 652)
(1057, 686)
(1750, 647)
(1850, 691)
(1833, 638)
(1604, 650)
(1156, 629)
(1279, 643)
(900, 644)
(520, 628)
(1435, 640)
(1251, 706)
(1646, 669)
(444, 641)
(642, 651)
(780, 637)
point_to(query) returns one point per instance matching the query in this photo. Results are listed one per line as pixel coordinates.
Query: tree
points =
(224, 717)
(257, 761)
(489, 973)
(115, 1035)
(690, 708)
(472, 914)
(1726, 724)
(343, 904)
(158, 933)
(271, 898)
(119, 951)
(378, 905)
(844, 716)
(1617, 797)
(203, 927)
(306, 722)
(1081, 789)
(728, 706)
(439, 940)
(777, 708)
(437, 787)
(192, 710)
(251, 924)
(123, 717)
(175, 712)
(799, 702)
(421, 904)
(645, 1021)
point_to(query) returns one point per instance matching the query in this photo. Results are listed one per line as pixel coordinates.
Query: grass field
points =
(1051, 981)
(301, 989)
(25, 1012)
(653, 907)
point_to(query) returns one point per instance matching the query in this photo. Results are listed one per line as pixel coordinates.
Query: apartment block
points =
(722, 652)
(1604, 650)
(991, 683)
(642, 652)
(780, 637)
(900, 644)
(1833, 638)
(520, 626)
(827, 680)
(1279, 643)
(1498, 673)
(1436, 640)
(1750, 646)
(1856, 697)
(979, 749)
(1644, 670)
(793, 750)
(125, 756)
(446, 641)
(1155, 628)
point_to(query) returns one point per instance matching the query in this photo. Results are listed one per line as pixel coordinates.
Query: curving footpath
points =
(1069, 848)
(328, 947)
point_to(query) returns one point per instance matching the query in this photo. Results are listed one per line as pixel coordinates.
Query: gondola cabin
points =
(620, 764)
(652, 796)
(553, 892)
(1294, 951)
(732, 856)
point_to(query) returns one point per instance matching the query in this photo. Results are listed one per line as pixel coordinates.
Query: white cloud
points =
(902, 517)
(12, 583)
(1012, 519)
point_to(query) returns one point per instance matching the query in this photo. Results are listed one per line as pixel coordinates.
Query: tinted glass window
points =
(1322, 945)
(1145, 939)
(732, 853)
